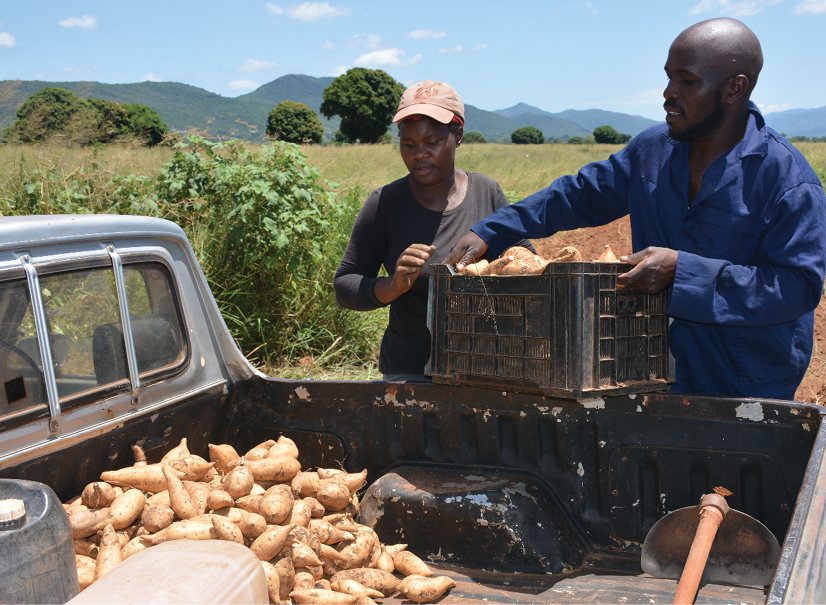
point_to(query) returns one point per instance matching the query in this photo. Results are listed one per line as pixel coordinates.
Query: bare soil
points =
(591, 243)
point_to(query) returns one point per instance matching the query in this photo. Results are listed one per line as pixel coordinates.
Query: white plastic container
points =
(183, 571)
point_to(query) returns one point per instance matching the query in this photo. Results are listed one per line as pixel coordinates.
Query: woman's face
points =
(428, 150)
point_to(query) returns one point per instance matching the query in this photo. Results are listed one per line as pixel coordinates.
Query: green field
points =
(295, 330)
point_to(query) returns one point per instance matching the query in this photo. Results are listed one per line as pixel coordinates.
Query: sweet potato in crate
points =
(565, 333)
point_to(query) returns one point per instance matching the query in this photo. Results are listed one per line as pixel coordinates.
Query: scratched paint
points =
(749, 411)
(594, 404)
(302, 393)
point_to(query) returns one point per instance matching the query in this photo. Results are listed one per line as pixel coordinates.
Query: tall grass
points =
(287, 322)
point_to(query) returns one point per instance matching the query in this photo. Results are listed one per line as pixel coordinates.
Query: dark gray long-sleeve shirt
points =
(390, 221)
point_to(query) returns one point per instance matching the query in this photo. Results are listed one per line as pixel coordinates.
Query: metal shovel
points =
(743, 551)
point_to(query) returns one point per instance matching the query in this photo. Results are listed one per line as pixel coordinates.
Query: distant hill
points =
(551, 126)
(799, 122)
(587, 119)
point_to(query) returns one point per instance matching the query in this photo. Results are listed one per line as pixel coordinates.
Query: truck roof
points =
(54, 228)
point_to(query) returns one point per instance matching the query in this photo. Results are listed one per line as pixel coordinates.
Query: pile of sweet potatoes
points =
(300, 525)
(517, 260)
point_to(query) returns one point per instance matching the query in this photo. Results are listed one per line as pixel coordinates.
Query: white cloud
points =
(84, 22)
(455, 49)
(772, 108)
(363, 40)
(72, 70)
(273, 8)
(810, 7)
(313, 11)
(7, 40)
(481, 47)
(150, 77)
(586, 6)
(744, 8)
(328, 45)
(424, 34)
(386, 58)
(253, 65)
(243, 85)
(341, 69)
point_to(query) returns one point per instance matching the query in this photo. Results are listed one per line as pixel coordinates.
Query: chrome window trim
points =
(126, 322)
(39, 313)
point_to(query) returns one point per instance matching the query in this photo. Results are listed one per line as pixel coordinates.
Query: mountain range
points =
(184, 107)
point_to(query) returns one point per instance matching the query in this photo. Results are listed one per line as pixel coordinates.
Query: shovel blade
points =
(744, 550)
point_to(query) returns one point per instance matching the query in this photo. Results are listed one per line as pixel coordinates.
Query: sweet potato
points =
(286, 573)
(321, 597)
(250, 503)
(323, 584)
(118, 490)
(270, 542)
(353, 481)
(126, 508)
(516, 267)
(277, 504)
(301, 513)
(189, 530)
(97, 495)
(385, 561)
(607, 255)
(305, 484)
(179, 499)
(518, 252)
(425, 590)
(259, 451)
(109, 554)
(376, 579)
(198, 493)
(83, 561)
(222, 455)
(287, 445)
(356, 554)
(329, 473)
(258, 490)
(145, 478)
(279, 468)
(179, 451)
(87, 522)
(476, 267)
(316, 570)
(496, 266)
(328, 552)
(227, 530)
(85, 577)
(359, 591)
(156, 517)
(302, 534)
(334, 496)
(252, 525)
(304, 580)
(352, 509)
(273, 581)
(394, 549)
(133, 547)
(192, 468)
(327, 533)
(302, 555)
(239, 482)
(85, 547)
(409, 564)
(140, 457)
(159, 498)
(317, 509)
(231, 514)
(217, 499)
(567, 254)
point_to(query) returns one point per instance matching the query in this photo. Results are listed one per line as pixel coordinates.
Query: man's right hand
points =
(466, 250)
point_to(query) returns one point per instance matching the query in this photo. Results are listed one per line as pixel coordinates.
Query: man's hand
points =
(466, 250)
(408, 268)
(654, 271)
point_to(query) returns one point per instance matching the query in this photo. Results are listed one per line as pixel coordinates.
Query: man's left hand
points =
(654, 271)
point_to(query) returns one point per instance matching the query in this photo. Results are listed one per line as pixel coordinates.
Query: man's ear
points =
(459, 134)
(737, 88)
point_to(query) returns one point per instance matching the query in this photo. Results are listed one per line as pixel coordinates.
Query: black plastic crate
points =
(566, 333)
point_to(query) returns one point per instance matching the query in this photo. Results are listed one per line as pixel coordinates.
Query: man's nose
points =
(670, 91)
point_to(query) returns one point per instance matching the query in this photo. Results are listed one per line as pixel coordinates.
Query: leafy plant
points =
(527, 135)
(473, 137)
(294, 123)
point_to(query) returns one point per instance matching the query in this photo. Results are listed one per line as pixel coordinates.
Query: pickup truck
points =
(109, 337)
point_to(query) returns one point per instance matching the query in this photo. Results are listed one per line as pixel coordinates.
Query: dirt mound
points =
(591, 243)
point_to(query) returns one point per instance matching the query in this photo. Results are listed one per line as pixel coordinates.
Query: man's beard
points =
(704, 128)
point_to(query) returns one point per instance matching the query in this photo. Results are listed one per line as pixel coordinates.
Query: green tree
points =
(473, 137)
(575, 141)
(366, 100)
(609, 135)
(145, 123)
(294, 123)
(527, 135)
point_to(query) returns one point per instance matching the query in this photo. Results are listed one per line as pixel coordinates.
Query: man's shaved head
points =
(725, 46)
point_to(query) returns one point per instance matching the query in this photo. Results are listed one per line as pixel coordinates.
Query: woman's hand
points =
(408, 268)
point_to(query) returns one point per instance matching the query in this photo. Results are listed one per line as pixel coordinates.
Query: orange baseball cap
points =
(433, 99)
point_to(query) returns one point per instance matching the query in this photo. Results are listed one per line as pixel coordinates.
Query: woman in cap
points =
(407, 224)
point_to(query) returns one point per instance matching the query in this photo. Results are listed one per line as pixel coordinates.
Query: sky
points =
(551, 54)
